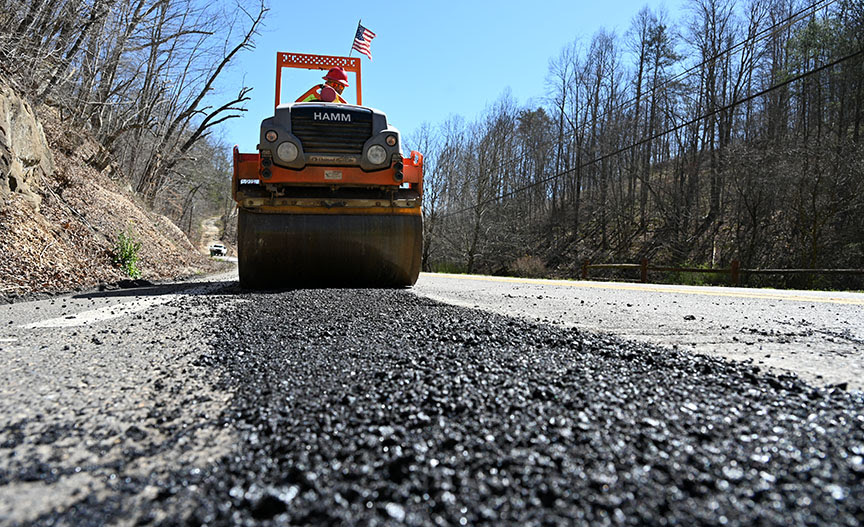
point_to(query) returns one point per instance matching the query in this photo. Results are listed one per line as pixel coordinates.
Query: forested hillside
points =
(137, 76)
(732, 133)
(107, 109)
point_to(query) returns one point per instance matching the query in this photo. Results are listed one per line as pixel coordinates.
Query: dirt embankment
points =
(60, 218)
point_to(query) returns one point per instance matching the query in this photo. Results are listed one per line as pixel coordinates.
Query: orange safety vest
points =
(317, 96)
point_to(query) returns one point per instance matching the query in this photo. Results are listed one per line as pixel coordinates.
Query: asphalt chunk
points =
(376, 407)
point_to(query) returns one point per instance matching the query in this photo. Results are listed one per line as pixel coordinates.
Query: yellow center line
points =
(658, 289)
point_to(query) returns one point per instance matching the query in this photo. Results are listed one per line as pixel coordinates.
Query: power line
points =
(659, 134)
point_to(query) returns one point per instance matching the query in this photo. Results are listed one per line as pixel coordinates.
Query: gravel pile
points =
(382, 408)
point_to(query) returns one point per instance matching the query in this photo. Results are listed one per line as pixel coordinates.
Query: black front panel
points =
(331, 130)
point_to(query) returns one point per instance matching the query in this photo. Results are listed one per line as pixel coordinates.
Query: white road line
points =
(86, 318)
(8, 340)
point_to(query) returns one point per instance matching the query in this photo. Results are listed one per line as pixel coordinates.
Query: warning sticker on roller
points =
(332, 174)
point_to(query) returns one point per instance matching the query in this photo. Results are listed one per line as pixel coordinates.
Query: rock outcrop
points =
(25, 157)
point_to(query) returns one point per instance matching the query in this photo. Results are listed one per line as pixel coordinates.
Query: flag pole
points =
(359, 23)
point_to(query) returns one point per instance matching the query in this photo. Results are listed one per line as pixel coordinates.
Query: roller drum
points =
(315, 250)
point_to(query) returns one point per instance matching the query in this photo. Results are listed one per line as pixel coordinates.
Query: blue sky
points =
(430, 59)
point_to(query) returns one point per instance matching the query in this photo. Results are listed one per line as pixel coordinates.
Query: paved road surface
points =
(201, 403)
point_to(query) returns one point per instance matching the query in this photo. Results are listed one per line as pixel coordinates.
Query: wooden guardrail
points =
(734, 270)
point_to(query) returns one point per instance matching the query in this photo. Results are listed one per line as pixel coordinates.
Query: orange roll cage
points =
(317, 62)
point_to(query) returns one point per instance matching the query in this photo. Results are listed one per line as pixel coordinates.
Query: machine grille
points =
(331, 131)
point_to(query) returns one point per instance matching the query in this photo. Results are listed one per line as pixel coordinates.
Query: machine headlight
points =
(287, 151)
(391, 140)
(376, 154)
(271, 136)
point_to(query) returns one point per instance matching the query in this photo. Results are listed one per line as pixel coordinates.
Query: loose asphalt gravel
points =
(379, 407)
(817, 335)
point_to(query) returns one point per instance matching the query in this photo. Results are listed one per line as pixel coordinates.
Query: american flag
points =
(362, 40)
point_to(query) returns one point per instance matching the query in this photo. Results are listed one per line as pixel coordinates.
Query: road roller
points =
(328, 199)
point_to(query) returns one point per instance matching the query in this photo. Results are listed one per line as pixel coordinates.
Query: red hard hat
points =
(337, 74)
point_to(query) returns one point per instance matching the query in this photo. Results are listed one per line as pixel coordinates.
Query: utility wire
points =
(776, 28)
(658, 135)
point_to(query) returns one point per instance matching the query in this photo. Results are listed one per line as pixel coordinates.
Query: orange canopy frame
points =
(316, 62)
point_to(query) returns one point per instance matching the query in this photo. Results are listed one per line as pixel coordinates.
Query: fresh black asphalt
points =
(379, 407)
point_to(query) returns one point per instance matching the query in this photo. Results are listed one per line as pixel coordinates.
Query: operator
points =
(331, 91)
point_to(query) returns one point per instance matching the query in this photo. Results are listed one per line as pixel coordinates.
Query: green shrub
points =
(126, 254)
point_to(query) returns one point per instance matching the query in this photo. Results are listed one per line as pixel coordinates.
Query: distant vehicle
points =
(217, 249)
